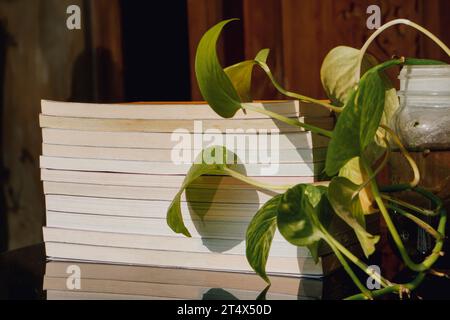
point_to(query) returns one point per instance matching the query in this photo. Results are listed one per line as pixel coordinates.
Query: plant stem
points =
(423, 211)
(290, 121)
(397, 288)
(377, 170)
(422, 224)
(406, 154)
(348, 269)
(355, 260)
(395, 188)
(431, 259)
(254, 182)
(294, 95)
(390, 24)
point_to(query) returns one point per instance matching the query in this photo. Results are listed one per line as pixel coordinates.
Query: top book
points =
(175, 110)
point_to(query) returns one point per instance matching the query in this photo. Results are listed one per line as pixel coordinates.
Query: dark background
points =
(144, 50)
(155, 49)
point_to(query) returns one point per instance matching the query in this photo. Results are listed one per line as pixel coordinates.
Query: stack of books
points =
(110, 172)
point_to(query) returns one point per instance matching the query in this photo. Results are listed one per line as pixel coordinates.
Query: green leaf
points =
(319, 200)
(345, 202)
(344, 144)
(314, 249)
(339, 79)
(297, 218)
(358, 122)
(391, 105)
(263, 294)
(262, 55)
(210, 161)
(259, 236)
(352, 170)
(339, 73)
(216, 87)
(240, 75)
(370, 99)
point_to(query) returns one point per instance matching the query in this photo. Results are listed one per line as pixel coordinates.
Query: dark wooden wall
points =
(301, 32)
(41, 59)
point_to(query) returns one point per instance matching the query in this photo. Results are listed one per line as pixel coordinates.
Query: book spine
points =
(169, 243)
(182, 139)
(165, 155)
(202, 195)
(141, 167)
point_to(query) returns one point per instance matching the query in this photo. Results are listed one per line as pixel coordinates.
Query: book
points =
(185, 140)
(205, 229)
(169, 242)
(193, 244)
(191, 260)
(148, 208)
(169, 168)
(162, 181)
(165, 155)
(149, 226)
(152, 125)
(207, 195)
(143, 208)
(176, 110)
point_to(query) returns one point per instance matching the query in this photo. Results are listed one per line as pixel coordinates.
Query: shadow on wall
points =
(5, 41)
(96, 78)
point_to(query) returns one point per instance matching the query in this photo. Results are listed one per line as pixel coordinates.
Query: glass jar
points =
(423, 124)
(423, 119)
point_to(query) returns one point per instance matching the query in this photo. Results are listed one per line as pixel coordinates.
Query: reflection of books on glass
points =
(109, 281)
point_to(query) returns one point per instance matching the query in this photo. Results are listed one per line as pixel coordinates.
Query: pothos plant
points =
(364, 100)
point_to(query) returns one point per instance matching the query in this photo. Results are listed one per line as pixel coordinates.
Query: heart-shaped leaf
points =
(318, 198)
(339, 79)
(391, 105)
(370, 106)
(259, 236)
(345, 202)
(339, 73)
(358, 122)
(216, 87)
(352, 170)
(314, 249)
(224, 89)
(240, 75)
(211, 161)
(299, 215)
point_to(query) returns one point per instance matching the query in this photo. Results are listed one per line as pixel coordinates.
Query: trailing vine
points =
(364, 99)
